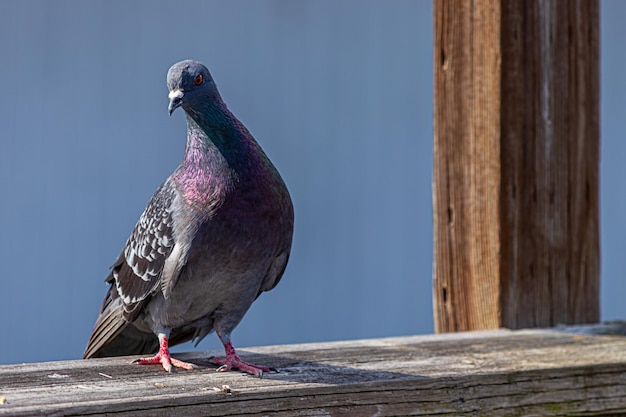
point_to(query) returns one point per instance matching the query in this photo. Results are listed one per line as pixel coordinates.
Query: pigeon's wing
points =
(137, 273)
(276, 269)
(274, 272)
(139, 268)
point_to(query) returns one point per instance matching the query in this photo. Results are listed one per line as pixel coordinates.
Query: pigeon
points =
(215, 235)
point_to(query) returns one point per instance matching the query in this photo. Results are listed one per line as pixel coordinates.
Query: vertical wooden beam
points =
(516, 153)
(467, 165)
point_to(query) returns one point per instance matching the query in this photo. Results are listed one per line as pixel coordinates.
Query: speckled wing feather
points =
(138, 270)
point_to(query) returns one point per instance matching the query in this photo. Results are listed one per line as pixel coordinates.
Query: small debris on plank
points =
(160, 385)
(105, 375)
(225, 389)
(55, 375)
(3, 399)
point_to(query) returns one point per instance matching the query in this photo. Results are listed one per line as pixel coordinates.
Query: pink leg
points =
(232, 361)
(163, 357)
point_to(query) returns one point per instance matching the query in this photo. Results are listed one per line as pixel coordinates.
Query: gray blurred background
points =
(339, 94)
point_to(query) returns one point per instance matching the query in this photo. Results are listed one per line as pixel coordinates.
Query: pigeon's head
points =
(191, 86)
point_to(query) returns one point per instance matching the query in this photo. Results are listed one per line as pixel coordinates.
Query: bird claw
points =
(228, 363)
(163, 356)
(166, 361)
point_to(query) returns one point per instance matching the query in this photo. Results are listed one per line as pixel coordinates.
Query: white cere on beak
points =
(175, 94)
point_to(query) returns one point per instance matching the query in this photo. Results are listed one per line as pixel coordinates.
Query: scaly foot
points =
(232, 361)
(166, 360)
(163, 357)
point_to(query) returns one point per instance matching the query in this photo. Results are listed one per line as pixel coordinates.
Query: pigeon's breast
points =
(228, 260)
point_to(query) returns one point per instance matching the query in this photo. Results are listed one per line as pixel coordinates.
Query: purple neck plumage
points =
(220, 154)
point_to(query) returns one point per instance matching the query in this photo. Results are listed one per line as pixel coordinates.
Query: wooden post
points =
(516, 152)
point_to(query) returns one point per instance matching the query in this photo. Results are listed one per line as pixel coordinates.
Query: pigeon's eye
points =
(198, 79)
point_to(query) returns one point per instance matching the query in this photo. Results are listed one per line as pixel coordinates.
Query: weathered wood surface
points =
(466, 165)
(516, 158)
(567, 372)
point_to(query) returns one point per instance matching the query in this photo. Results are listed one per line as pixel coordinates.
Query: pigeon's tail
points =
(114, 336)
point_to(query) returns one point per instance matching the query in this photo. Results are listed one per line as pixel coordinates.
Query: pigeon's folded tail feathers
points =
(113, 336)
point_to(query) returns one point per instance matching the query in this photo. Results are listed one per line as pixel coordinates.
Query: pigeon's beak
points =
(176, 99)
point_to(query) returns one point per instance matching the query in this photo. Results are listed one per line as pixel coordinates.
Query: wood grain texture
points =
(552, 372)
(516, 155)
(466, 165)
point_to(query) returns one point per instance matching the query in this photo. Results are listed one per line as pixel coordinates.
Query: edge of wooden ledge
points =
(568, 370)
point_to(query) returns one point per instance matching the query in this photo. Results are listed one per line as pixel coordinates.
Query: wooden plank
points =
(516, 156)
(551, 372)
